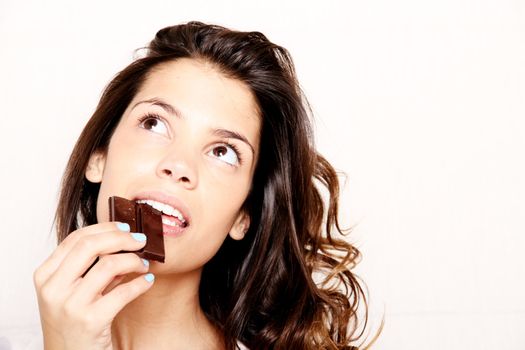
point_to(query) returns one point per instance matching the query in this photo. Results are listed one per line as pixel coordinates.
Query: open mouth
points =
(172, 219)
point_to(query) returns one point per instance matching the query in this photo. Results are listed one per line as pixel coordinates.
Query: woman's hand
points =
(77, 308)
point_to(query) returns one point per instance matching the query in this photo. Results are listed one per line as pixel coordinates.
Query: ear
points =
(95, 167)
(240, 226)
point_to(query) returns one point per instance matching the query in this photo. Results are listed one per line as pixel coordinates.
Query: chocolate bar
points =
(141, 218)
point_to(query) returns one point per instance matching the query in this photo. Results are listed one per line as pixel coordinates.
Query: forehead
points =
(198, 89)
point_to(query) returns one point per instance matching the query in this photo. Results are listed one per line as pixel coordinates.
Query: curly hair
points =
(288, 284)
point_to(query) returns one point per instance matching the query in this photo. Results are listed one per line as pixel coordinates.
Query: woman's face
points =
(189, 139)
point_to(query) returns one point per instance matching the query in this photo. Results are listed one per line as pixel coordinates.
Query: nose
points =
(179, 170)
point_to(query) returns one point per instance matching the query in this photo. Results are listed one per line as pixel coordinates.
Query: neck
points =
(167, 316)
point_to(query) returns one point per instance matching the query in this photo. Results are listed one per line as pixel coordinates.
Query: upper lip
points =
(166, 199)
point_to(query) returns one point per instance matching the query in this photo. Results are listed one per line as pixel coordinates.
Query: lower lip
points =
(172, 231)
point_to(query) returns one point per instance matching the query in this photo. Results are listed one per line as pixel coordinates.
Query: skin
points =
(113, 306)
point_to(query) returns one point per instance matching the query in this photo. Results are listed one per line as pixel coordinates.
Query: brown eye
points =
(154, 123)
(227, 154)
(150, 123)
(220, 151)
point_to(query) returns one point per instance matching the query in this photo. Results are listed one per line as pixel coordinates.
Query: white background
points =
(420, 103)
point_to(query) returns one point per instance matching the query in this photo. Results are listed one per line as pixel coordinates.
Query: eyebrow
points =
(166, 106)
(172, 110)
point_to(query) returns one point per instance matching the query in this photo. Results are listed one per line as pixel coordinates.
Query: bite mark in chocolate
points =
(141, 218)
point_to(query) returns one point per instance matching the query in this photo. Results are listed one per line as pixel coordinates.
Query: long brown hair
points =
(288, 284)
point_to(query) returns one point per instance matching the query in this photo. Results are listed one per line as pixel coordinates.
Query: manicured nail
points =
(122, 226)
(139, 237)
(149, 277)
(145, 262)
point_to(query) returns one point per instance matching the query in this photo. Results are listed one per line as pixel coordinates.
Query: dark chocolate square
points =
(141, 218)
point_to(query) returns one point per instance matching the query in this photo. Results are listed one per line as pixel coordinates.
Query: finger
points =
(103, 273)
(115, 282)
(88, 248)
(114, 301)
(50, 265)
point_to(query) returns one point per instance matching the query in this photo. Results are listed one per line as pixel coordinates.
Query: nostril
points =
(170, 173)
(183, 176)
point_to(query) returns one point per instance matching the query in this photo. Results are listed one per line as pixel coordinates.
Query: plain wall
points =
(420, 103)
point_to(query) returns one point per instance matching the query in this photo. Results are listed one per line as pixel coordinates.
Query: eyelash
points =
(231, 145)
(151, 116)
(235, 149)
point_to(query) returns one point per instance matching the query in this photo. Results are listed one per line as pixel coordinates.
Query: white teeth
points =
(168, 210)
(169, 222)
(164, 208)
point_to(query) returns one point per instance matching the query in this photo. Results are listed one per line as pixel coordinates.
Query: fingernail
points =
(139, 237)
(145, 262)
(149, 277)
(122, 226)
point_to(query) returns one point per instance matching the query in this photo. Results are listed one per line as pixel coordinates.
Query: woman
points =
(211, 127)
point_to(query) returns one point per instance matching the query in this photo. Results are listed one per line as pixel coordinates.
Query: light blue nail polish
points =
(122, 226)
(145, 262)
(149, 277)
(139, 237)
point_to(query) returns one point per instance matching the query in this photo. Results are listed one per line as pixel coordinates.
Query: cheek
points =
(227, 180)
(220, 204)
(125, 164)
